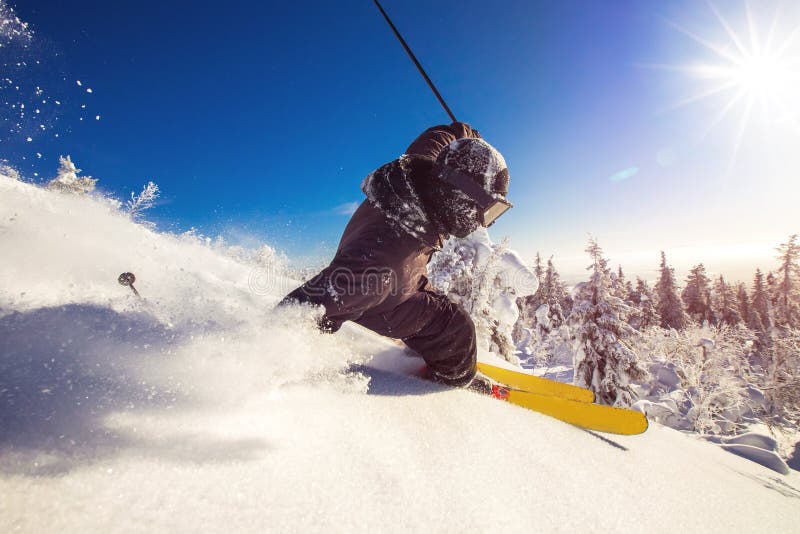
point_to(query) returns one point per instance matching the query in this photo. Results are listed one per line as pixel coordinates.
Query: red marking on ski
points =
(499, 392)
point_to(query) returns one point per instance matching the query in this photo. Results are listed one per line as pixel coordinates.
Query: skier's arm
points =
(345, 291)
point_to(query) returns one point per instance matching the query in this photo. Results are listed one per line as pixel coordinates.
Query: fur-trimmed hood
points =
(395, 189)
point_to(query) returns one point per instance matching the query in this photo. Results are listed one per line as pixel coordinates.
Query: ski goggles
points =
(490, 208)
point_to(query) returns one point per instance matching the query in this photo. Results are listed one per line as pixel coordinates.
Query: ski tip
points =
(639, 430)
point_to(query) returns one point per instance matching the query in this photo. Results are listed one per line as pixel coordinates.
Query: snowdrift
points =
(200, 408)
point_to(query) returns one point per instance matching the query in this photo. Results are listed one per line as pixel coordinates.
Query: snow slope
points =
(202, 410)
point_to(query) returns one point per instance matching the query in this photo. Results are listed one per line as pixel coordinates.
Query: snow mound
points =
(759, 448)
(200, 408)
(768, 459)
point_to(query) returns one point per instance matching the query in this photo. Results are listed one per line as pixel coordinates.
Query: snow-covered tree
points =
(9, 171)
(787, 305)
(761, 312)
(604, 360)
(551, 299)
(555, 296)
(711, 364)
(143, 201)
(553, 347)
(669, 305)
(743, 303)
(537, 266)
(486, 279)
(773, 290)
(67, 180)
(696, 295)
(619, 286)
(783, 376)
(527, 306)
(724, 303)
(644, 302)
(548, 335)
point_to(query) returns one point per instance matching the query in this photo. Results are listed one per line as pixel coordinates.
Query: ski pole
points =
(414, 59)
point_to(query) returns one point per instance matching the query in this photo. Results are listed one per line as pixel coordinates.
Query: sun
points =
(753, 71)
(763, 76)
(747, 71)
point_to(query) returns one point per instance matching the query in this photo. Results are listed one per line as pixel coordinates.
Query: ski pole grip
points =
(127, 279)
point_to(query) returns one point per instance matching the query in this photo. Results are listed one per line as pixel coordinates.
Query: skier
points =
(449, 182)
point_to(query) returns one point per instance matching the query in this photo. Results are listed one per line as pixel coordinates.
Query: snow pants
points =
(435, 328)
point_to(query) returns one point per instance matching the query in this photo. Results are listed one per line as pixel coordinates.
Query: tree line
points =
(614, 328)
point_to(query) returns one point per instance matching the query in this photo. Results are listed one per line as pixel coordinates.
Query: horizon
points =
(739, 262)
(670, 127)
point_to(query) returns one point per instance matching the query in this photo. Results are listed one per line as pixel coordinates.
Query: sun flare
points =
(746, 72)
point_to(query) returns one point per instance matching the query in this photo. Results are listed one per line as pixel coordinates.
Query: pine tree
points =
(644, 300)
(528, 305)
(537, 266)
(618, 284)
(773, 291)
(787, 290)
(546, 310)
(783, 375)
(549, 337)
(669, 305)
(743, 302)
(604, 360)
(761, 313)
(554, 295)
(724, 303)
(697, 295)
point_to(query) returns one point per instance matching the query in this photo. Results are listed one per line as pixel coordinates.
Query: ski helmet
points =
(479, 160)
(473, 182)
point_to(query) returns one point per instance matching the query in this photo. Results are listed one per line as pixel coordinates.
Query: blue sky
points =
(259, 120)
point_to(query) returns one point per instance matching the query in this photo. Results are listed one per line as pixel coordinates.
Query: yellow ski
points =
(582, 414)
(535, 384)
